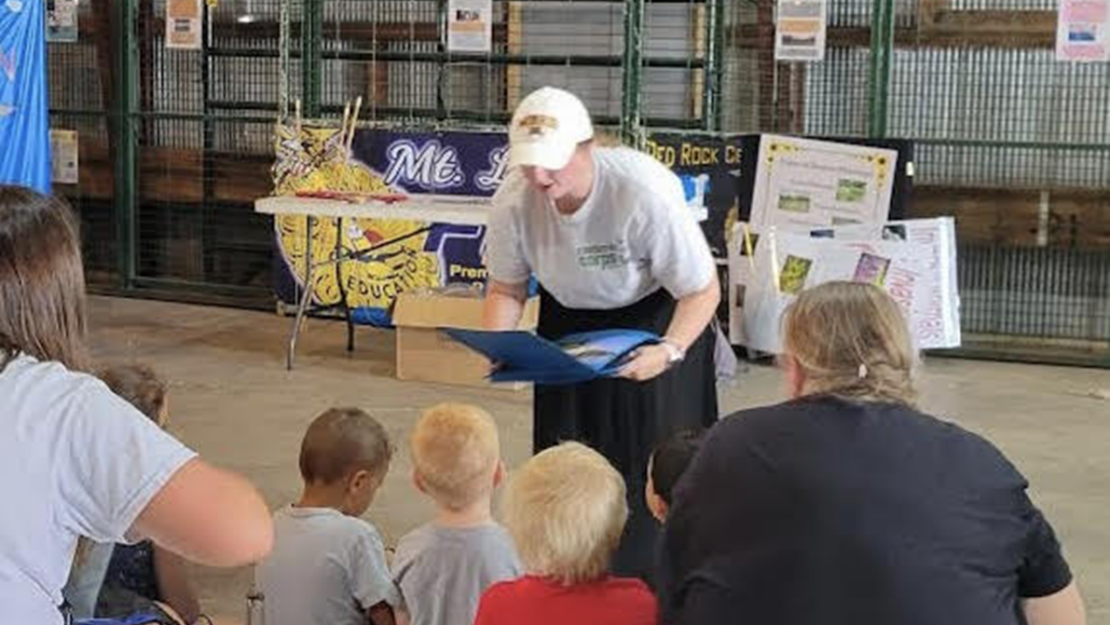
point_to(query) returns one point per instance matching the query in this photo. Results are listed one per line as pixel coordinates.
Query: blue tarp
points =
(24, 124)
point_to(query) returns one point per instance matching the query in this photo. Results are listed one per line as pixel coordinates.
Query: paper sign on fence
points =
(1082, 30)
(800, 30)
(64, 157)
(469, 25)
(183, 19)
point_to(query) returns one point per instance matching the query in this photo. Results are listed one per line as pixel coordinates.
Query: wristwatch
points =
(675, 354)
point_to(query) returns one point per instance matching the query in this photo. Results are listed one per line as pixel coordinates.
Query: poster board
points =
(805, 183)
(914, 263)
(937, 317)
(383, 162)
(709, 169)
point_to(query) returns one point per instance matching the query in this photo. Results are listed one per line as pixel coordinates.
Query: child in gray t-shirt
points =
(328, 566)
(443, 568)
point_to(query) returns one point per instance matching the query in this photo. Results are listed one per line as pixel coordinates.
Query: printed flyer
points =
(803, 184)
(800, 30)
(1081, 30)
(469, 25)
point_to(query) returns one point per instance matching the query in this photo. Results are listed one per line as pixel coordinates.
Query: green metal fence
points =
(175, 144)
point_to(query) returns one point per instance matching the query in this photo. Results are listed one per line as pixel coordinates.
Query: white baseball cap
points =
(547, 127)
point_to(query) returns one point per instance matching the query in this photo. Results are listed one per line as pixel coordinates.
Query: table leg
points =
(306, 297)
(339, 258)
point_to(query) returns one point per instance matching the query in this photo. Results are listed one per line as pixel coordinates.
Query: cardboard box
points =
(426, 354)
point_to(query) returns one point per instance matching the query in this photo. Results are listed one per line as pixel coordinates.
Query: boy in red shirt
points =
(566, 510)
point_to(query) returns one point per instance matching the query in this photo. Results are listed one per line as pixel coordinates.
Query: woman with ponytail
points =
(846, 505)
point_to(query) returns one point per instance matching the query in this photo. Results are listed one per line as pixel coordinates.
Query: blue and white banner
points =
(24, 122)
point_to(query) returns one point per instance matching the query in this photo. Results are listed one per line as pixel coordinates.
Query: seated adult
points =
(75, 460)
(848, 506)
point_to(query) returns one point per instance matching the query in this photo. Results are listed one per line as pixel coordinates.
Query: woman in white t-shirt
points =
(75, 460)
(607, 234)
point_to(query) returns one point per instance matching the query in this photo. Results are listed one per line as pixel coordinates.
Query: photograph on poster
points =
(871, 269)
(794, 271)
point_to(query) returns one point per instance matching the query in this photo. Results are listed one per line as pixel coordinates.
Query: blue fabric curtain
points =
(24, 123)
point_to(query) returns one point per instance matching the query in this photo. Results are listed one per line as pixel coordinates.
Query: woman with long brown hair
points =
(75, 460)
(847, 506)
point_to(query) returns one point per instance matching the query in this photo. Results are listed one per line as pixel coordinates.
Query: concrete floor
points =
(234, 402)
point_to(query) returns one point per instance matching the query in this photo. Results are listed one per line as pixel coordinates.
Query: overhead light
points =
(246, 15)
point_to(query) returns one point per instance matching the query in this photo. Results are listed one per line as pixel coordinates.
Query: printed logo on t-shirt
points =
(604, 256)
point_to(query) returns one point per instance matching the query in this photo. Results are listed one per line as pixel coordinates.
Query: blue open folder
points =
(524, 357)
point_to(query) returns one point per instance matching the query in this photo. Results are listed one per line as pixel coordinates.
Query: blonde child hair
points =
(566, 510)
(850, 339)
(455, 453)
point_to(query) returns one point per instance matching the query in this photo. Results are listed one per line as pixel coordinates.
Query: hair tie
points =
(862, 373)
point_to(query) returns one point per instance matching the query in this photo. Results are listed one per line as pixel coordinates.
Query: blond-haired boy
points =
(566, 510)
(443, 568)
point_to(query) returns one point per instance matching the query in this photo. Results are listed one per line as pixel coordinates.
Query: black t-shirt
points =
(831, 512)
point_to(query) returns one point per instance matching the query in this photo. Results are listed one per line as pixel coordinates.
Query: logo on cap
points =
(538, 125)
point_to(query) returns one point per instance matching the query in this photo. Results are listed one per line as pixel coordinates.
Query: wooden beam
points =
(379, 84)
(927, 11)
(105, 56)
(177, 175)
(514, 74)
(697, 87)
(1076, 218)
(147, 34)
(763, 38)
(993, 28)
(348, 31)
(945, 29)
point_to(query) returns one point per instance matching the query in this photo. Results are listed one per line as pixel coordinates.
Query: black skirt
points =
(623, 419)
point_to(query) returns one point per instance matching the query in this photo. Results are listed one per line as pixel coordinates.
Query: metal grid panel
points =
(1003, 117)
(204, 122)
(1035, 292)
(393, 54)
(79, 103)
(829, 98)
(683, 34)
(204, 153)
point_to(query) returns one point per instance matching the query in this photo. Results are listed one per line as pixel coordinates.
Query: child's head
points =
(667, 464)
(456, 455)
(141, 387)
(346, 450)
(566, 510)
